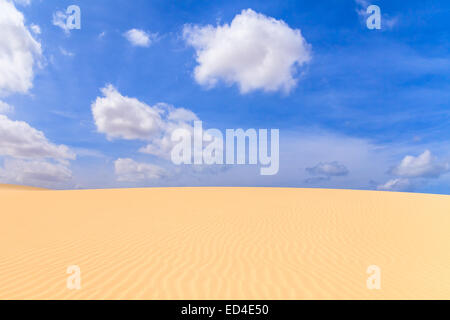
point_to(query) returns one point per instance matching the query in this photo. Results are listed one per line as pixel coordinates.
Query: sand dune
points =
(17, 187)
(223, 243)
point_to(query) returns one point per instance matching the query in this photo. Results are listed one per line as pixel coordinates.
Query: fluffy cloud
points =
(162, 144)
(139, 38)
(424, 166)
(29, 158)
(328, 169)
(18, 51)
(254, 51)
(35, 172)
(121, 117)
(128, 170)
(414, 170)
(19, 139)
(5, 108)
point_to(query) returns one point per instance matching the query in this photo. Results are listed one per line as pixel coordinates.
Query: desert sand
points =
(223, 243)
(16, 187)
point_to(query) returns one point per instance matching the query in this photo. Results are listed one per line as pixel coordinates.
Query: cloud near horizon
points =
(29, 158)
(413, 169)
(128, 170)
(35, 172)
(424, 165)
(331, 169)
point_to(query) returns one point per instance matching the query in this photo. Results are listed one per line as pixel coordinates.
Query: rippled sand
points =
(223, 243)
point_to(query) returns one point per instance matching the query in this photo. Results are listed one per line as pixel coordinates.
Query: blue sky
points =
(375, 102)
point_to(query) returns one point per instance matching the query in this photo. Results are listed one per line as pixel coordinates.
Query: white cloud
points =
(67, 20)
(122, 117)
(254, 51)
(398, 184)
(181, 115)
(5, 108)
(34, 172)
(19, 139)
(139, 38)
(424, 165)
(127, 118)
(128, 170)
(18, 51)
(60, 20)
(66, 53)
(162, 144)
(29, 158)
(175, 118)
(35, 28)
(328, 169)
(414, 171)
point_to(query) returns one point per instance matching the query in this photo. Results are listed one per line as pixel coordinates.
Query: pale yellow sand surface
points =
(223, 243)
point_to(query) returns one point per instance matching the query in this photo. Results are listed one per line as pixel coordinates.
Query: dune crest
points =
(18, 187)
(224, 243)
